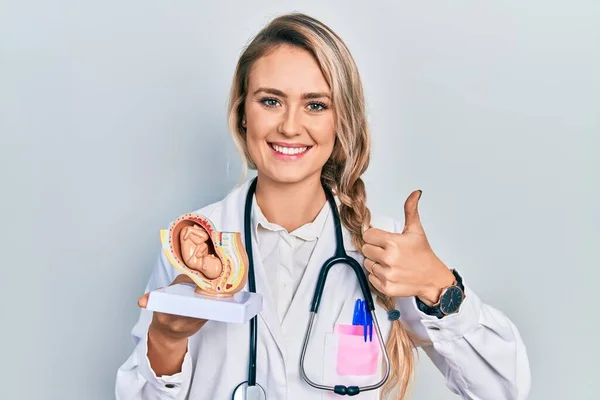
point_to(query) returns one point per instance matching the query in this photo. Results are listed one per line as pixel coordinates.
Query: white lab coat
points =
(479, 350)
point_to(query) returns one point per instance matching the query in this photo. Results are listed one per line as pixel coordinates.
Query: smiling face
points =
(290, 121)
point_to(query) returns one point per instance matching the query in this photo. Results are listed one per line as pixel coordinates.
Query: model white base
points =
(181, 300)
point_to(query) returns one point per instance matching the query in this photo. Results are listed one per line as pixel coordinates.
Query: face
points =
(290, 121)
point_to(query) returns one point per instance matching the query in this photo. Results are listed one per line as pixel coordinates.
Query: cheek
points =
(324, 133)
(255, 130)
(256, 134)
(253, 145)
(259, 129)
(260, 121)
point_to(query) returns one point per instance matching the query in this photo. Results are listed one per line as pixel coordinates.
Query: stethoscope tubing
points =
(340, 257)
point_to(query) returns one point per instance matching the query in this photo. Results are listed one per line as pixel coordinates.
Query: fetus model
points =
(216, 261)
(195, 252)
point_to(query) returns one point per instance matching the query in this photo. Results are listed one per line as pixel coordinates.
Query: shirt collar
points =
(310, 231)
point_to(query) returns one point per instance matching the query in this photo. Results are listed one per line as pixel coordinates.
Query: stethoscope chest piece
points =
(245, 392)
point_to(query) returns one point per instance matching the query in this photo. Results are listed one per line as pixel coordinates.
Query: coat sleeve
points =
(135, 378)
(478, 350)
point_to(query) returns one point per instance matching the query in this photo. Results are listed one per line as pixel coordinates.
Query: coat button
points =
(169, 386)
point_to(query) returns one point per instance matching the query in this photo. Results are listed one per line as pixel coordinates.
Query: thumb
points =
(143, 300)
(181, 278)
(412, 221)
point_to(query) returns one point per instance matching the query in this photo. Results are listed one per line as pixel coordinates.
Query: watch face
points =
(451, 300)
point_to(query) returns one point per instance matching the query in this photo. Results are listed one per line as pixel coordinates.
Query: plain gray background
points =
(112, 121)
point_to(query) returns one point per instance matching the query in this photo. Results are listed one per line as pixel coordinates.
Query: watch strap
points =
(436, 310)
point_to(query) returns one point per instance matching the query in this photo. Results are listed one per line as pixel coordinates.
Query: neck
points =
(290, 205)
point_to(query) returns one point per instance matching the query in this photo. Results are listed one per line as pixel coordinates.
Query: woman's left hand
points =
(403, 264)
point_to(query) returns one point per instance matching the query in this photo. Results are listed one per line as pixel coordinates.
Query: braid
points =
(356, 217)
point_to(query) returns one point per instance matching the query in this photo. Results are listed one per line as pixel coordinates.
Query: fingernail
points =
(420, 193)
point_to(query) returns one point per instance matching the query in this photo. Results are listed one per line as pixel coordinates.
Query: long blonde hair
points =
(351, 152)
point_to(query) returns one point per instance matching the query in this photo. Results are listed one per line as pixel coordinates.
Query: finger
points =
(378, 237)
(381, 272)
(412, 220)
(373, 252)
(143, 300)
(368, 263)
(371, 265)
(377, 283)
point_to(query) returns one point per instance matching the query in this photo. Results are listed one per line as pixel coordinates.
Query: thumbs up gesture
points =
(403, 264)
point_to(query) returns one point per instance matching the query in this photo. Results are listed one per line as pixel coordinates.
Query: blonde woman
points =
(297, 116)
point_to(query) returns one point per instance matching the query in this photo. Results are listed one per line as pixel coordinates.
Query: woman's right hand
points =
(168, 335)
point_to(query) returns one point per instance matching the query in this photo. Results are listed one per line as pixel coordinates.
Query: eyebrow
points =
(305, 96)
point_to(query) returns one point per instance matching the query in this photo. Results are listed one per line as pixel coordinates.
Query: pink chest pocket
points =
(354, 355)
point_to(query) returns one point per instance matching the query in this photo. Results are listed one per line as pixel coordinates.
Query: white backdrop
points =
(112, 123)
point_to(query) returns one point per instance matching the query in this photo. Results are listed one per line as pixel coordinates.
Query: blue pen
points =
(362, 316)
(370, 325)
(356, 318)
(366, 321)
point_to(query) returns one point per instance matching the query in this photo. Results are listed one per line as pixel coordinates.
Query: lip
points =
(290, 145)
(288, 157)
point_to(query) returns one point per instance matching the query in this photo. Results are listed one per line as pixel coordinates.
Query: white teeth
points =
(289, 150)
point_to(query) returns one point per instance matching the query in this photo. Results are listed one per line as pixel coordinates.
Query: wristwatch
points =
(449, 302)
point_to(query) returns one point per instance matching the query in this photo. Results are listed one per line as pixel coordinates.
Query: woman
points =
(297, 115)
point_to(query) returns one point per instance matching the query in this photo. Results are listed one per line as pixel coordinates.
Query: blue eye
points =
(317, 107)
(269, 102)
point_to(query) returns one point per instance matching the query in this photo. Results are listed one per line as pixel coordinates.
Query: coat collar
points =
(235, 200)
(308, 232)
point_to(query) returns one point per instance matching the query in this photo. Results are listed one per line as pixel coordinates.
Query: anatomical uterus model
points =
(216, 261)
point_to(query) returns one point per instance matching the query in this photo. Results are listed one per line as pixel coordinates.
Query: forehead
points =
(290, 69)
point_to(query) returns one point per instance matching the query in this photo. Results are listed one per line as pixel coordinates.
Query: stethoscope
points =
(250, 389)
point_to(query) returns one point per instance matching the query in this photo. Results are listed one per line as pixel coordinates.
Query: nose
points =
(290, 125)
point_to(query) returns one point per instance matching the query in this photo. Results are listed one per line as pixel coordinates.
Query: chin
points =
(292, 176)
